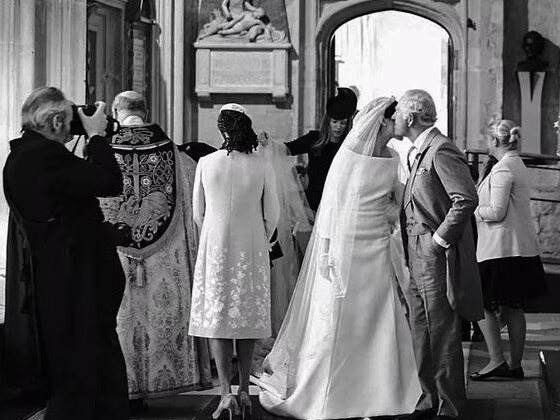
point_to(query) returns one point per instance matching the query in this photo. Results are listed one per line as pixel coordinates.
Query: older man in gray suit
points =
(438, 202)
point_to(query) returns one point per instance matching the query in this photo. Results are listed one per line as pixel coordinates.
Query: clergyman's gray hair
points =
(419, 103)
(41, 107)
(131, 101)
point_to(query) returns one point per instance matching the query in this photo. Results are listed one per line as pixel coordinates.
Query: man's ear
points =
(58, 122)
(409, 120)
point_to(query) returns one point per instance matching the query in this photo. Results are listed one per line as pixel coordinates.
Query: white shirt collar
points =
(133, 120)
(422, 137)
(510, 153)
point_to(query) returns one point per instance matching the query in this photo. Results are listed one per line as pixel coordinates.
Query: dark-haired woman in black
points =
(236, 208)
(321, 146)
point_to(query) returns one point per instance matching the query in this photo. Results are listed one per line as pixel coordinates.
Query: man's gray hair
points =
(41, 107)
(419, 103)
(131, 101)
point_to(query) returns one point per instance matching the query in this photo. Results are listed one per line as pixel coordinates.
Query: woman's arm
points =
(225, 9)
(325, 260)
(199, 203)
(501, 181)
(98, 176)
(302, 144)
(249, 6)
(271, 206)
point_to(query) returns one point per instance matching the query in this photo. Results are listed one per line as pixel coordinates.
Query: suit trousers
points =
(436, 330)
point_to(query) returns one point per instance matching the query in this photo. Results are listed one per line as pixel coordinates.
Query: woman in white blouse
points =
(507, 251)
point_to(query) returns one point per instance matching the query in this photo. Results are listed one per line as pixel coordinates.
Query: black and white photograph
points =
(280, 209)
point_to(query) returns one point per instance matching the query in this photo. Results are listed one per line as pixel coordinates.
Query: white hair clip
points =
(234, 107)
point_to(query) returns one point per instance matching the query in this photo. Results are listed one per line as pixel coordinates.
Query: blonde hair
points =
(507, 132)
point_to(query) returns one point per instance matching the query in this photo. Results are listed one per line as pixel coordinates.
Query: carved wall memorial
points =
(242, 47)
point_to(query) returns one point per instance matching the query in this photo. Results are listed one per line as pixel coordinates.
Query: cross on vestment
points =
(135, 175)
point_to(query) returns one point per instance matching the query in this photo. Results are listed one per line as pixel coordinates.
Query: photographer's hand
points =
(97, 123)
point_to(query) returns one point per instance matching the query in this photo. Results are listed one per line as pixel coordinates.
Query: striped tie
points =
(412, 154)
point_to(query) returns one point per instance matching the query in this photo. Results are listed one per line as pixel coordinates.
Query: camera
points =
(77, 128)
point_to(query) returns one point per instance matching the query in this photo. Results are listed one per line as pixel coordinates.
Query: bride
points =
(345, 348)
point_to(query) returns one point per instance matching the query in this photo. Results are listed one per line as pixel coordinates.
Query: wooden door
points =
(105, 50)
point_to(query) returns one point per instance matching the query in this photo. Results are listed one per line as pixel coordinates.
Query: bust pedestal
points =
(531, 98)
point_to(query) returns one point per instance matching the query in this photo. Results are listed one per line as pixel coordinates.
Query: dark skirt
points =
(509, 281)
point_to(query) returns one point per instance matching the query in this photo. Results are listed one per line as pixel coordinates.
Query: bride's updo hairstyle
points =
(390, 110)
(506, 132)
(237, 130)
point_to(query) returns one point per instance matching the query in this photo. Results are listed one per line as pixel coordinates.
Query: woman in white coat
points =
(236, 207)
(507, 251)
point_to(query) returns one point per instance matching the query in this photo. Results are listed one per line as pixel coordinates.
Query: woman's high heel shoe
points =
(229, 403)
(245, 402)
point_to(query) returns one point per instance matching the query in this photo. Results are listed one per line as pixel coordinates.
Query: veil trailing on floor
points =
(295, 219)
(332, 240)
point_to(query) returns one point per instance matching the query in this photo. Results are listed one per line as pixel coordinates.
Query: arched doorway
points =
(374, 54)
(321, 71)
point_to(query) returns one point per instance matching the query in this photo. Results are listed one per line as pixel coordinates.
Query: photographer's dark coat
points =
(62, 262)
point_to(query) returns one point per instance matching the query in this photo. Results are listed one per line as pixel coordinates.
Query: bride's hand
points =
(263, 138)
(266, 367)
(325, 266)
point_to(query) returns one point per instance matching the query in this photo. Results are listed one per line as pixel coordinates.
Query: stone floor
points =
(503, 400)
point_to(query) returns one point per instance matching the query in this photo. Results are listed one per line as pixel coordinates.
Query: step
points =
(550, 373)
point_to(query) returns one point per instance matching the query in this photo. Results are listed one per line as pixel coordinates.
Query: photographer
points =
(64, 279)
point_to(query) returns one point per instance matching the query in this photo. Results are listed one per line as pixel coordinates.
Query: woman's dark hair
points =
(237, 130)
(390, 110)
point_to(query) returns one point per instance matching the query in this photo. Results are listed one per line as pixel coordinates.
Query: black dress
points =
(65, 268)
(510, 280)
(319, 164)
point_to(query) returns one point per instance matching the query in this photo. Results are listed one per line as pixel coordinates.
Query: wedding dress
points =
(345, 348)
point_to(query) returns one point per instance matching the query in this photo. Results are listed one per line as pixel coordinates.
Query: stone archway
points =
(332, 16)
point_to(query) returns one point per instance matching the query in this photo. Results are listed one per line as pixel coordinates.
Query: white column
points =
(179, 72)
(309, 113)
(17, 72)
(65, 47)
(168, 54)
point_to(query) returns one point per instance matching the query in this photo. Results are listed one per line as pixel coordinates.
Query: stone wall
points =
(547, 225)
(546, 184)
(485, 68)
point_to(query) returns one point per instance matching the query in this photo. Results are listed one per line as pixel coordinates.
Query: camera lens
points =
(77, 128)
